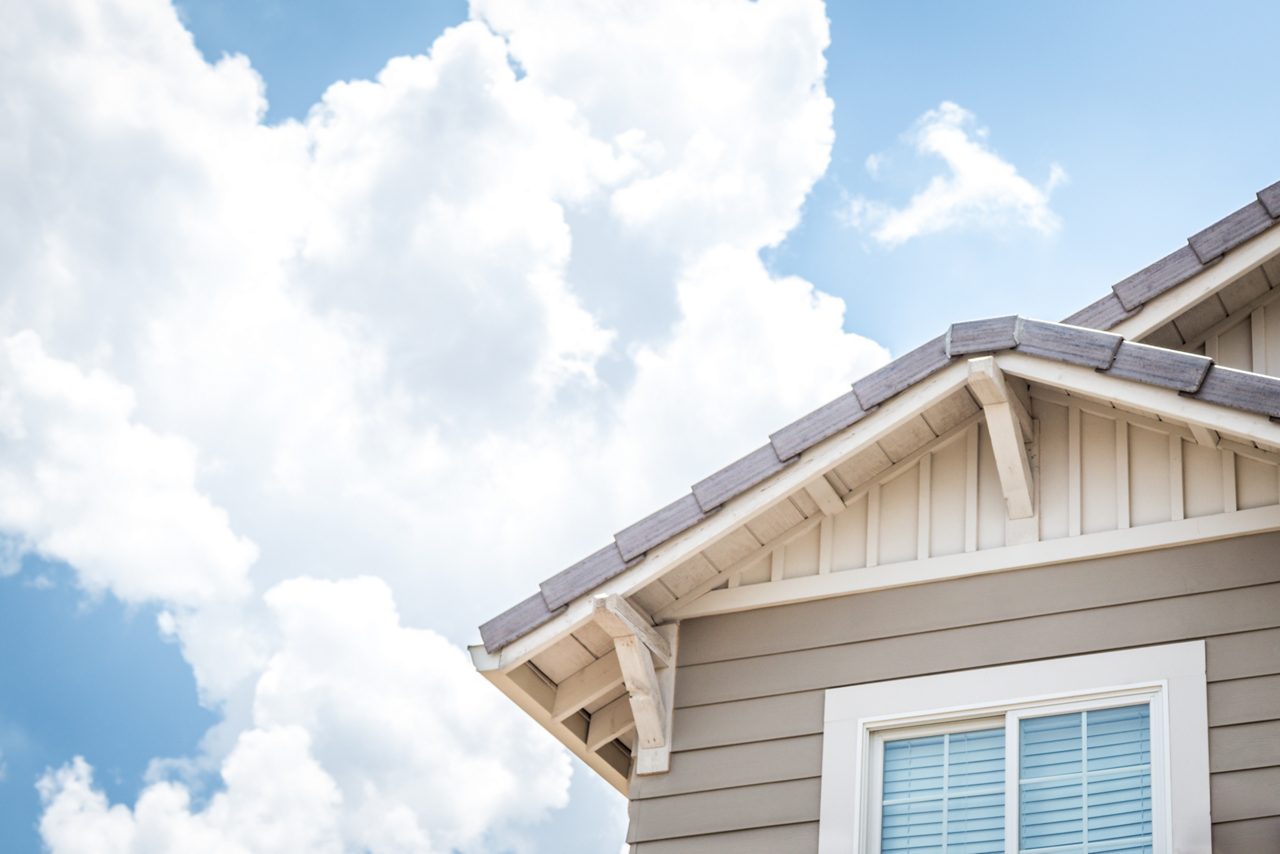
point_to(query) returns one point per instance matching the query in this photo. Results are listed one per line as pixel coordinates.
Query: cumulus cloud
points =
(278, 799)
(981, 190)
(366, 735)
(450, 330)
(83, 483)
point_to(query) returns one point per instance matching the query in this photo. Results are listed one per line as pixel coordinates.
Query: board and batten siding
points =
(746, 768)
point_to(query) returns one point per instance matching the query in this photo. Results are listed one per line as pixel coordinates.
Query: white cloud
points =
(982, 190)
(278, 799)
(85, 484)
(366, 735)
(451, 331)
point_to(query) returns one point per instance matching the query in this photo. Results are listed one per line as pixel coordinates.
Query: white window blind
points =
(1083, 786)
(945, 793)
(1085, 781)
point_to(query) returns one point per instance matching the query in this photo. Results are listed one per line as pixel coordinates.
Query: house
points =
(1017, 590)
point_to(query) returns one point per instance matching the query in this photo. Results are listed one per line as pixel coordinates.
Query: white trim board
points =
(1045, 553)
(1238, 262)
(1173, 672)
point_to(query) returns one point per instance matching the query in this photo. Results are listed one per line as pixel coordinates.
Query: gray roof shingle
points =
(737, 477)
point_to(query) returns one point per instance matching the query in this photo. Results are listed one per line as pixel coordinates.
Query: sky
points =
(328, 329)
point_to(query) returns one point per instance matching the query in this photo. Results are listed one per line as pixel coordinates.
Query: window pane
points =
(944, 792)
(1085, 781)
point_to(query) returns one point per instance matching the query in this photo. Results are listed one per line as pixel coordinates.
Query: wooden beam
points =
(642, 684)
(990, 386)
(611, 772)
(657, 759)
(1204, 436)
(586, 686)
(824, 496)
(609, 722)
(1008, 436)
(620, 620)
(1232, 423)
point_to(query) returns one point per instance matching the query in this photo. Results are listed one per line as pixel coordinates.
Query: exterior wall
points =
(745, 773)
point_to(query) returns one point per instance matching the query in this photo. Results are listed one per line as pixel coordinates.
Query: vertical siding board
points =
(1177, 508)
(971, 490)
(1073, 471)
(1122, 473)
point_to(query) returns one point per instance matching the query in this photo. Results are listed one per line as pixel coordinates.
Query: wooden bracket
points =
(824, 496)
(1010, 426)
(620, 619)
(640, 649)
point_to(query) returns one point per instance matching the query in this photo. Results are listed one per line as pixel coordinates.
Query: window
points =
(1092, 753)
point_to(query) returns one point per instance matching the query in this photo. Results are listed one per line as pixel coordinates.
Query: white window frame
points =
(1171, 677)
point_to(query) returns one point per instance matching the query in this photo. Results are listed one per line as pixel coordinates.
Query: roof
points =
(1203, 248)
(1080, 340)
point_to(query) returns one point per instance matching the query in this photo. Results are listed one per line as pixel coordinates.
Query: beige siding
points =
(748, 724)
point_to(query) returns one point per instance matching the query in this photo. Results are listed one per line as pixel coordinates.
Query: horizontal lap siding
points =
(748, 723)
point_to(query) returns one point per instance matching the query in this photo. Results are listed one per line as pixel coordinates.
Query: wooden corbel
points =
(642, 650)
(1012, 430)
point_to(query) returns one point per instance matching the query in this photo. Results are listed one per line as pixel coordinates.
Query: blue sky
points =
(1161, 117)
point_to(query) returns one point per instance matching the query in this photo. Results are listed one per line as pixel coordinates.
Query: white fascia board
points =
(1164, 402)
(1207, 282)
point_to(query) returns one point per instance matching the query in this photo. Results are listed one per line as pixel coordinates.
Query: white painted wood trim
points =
(1205, 437)
(609, 722)
(971, 489)
(641, 679)
(530, 706)
(1074, 506)
(1043, 553)
(1175, 673)
(924, 500)
(1110, 411)
(824, 496)
(1229, 322)
(1236, 263)
(826, 545)
(1258, 334)
(873, 525)
(620, 620)
(1228, 481)
(1177, 486)
(1122, 473)
(657, 760)
(1162, 402)
(581, 689)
